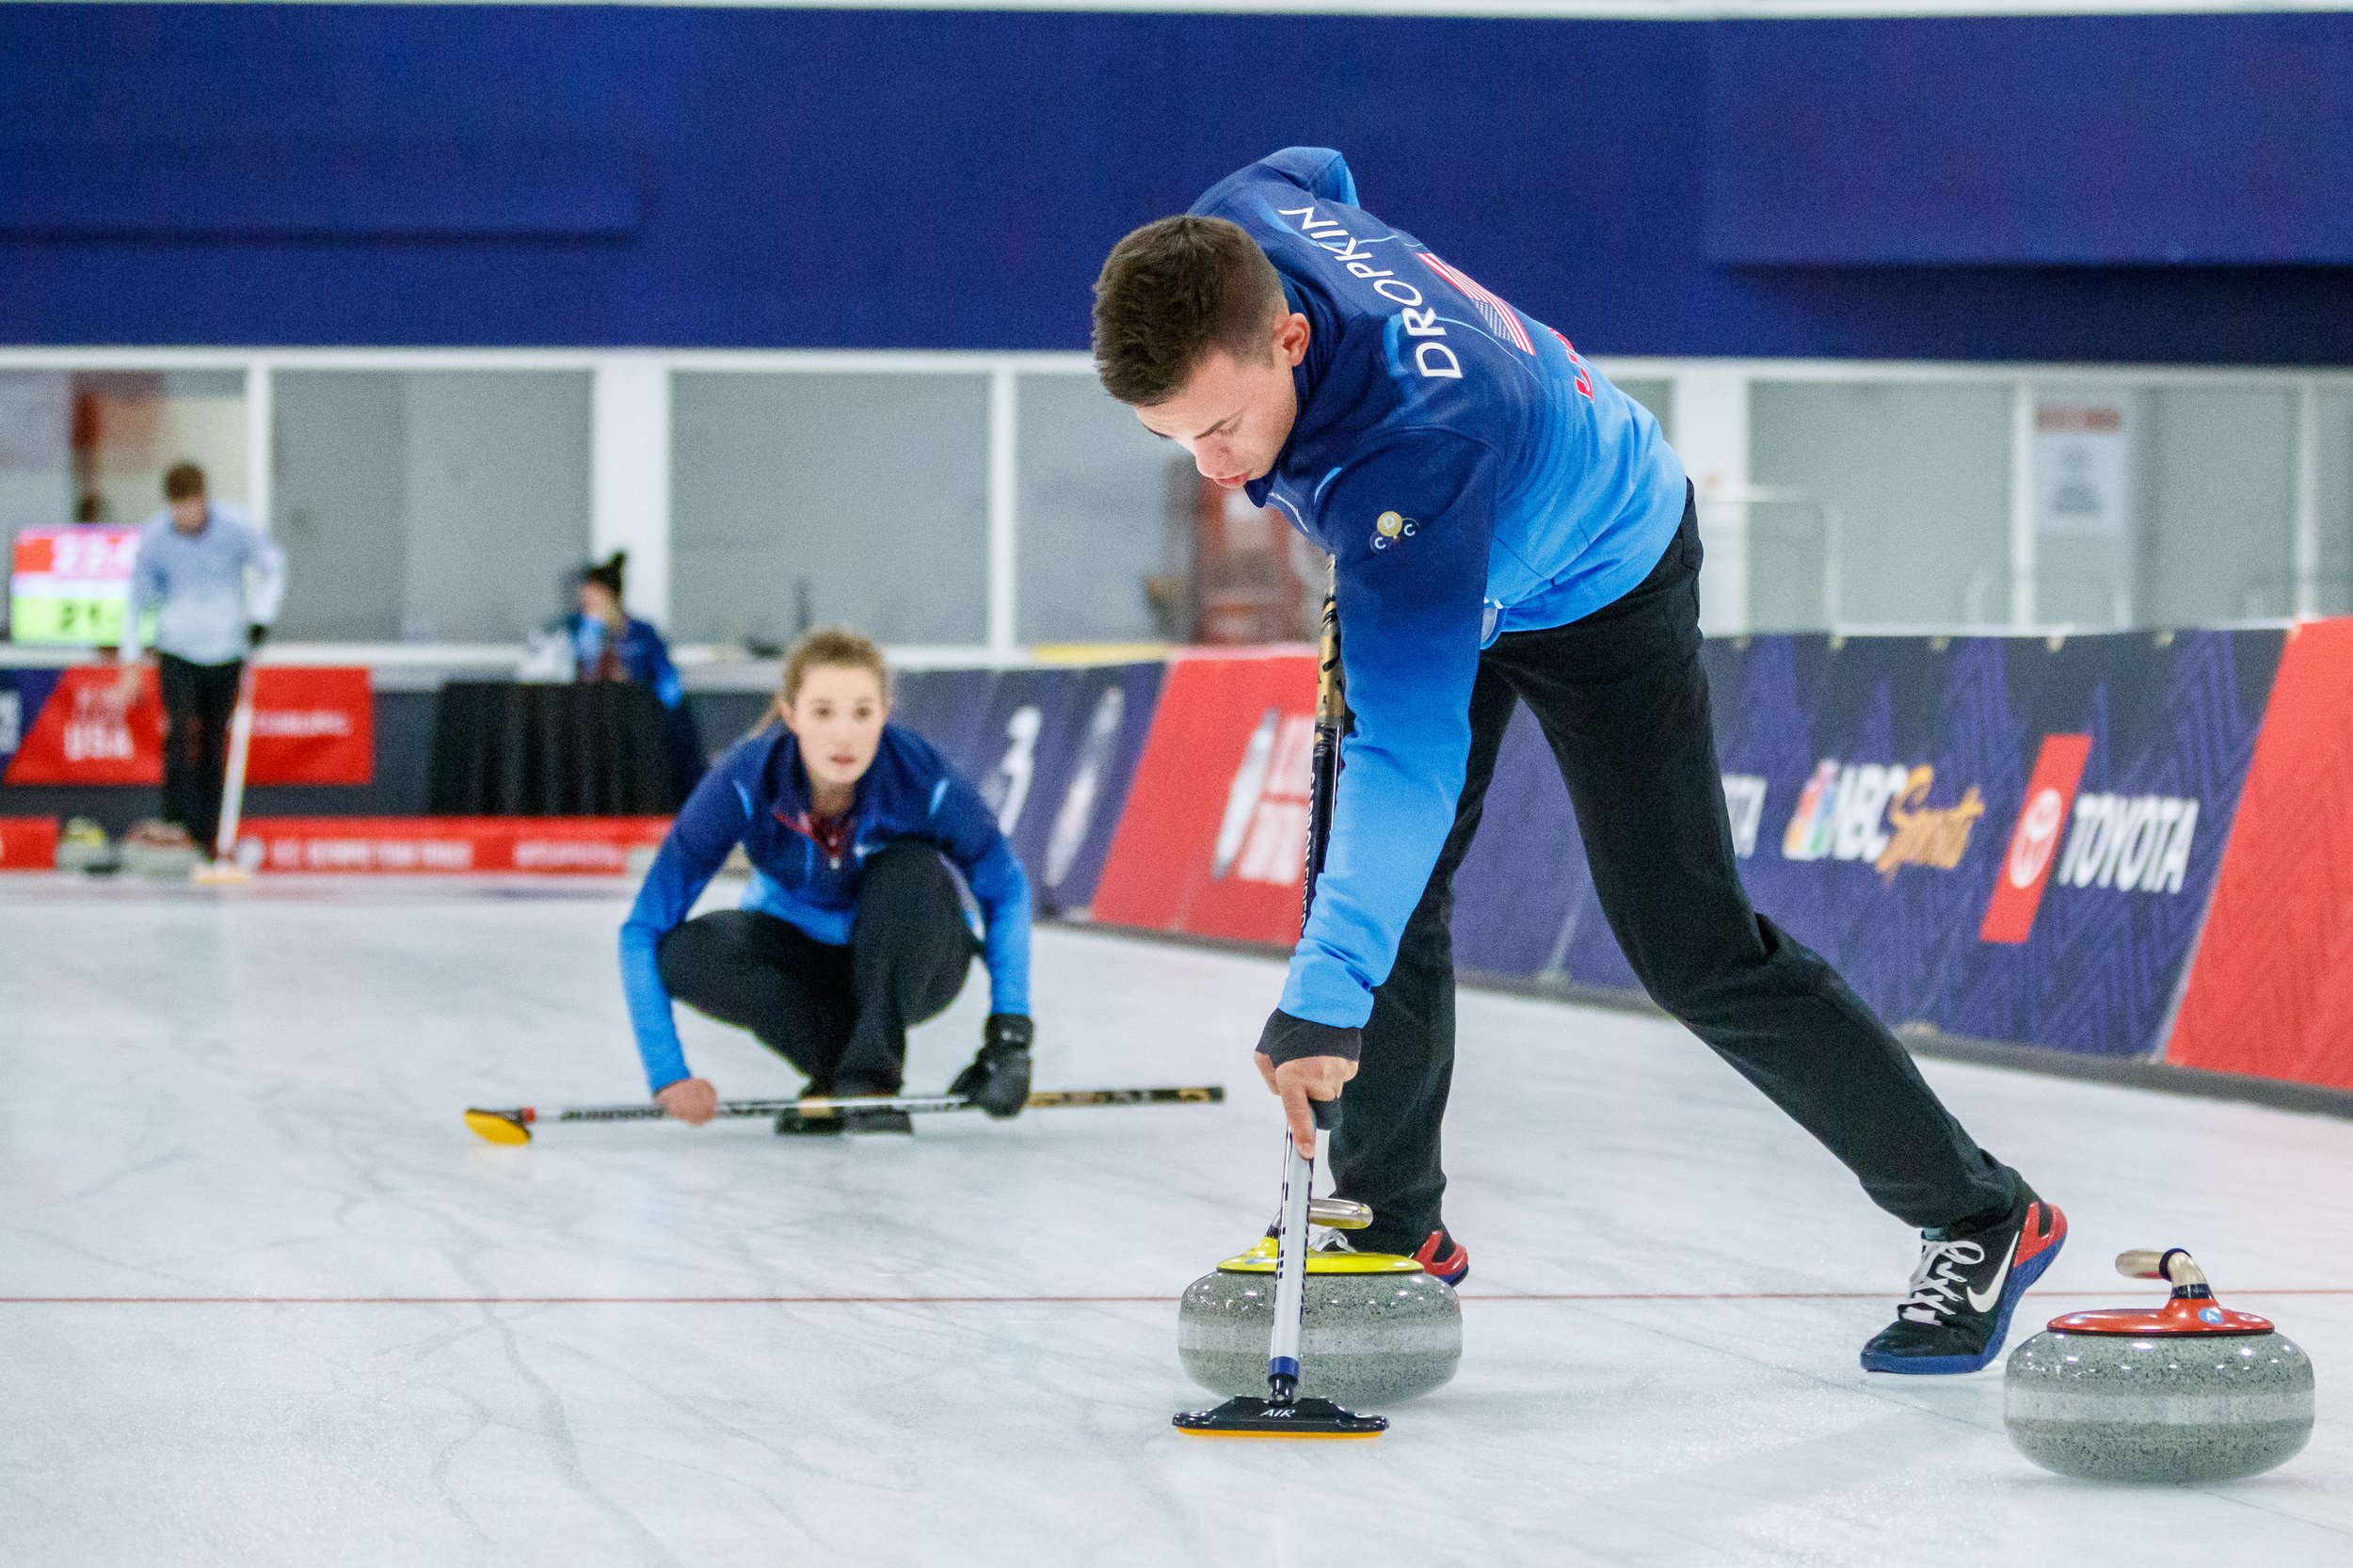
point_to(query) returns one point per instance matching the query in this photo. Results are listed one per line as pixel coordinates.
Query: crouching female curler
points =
(854, 928)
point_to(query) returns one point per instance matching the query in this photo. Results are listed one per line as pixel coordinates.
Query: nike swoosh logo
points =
(1994, 1292)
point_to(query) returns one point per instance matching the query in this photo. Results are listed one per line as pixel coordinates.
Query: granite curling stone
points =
(2191, 1391)
(1378, 1329)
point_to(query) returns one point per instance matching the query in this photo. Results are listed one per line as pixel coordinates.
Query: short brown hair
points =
(183, 482)
(1169, 294)
(834, 646)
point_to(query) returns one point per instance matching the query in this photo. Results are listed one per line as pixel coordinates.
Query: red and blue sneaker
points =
(1439, 1254)
(1965, 1289)
(1442, 1255)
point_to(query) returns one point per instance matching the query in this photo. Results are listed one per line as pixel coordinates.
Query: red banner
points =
(28, 843)
(2271, 991)
(310, 727)
(1216, 827)
(447, 846)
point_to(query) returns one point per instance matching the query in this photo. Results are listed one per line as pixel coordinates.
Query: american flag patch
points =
(1500, 318)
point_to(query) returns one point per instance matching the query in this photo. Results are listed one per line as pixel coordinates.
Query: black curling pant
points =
(1622, 702)
(839, 1014)
(199, 702)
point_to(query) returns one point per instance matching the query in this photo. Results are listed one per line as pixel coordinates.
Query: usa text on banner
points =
(1213, 839)
(2271, 990)
(310, 727)
(449, 846)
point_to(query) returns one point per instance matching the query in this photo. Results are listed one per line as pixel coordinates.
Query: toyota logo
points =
(2038, 831)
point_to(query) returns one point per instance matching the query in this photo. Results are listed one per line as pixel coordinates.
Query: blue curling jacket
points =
(757, 796)
(1471, 475)
(644, 657)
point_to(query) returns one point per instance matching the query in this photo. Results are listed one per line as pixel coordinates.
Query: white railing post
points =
(1711, 436)
(261, 441)
(628, 467)
(2306, 458)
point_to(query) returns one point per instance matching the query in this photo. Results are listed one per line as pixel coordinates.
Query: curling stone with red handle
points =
(2190, 1391)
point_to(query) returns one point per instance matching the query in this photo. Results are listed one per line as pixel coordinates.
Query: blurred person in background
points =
(854, 928)
(609, 644)
(215, 581)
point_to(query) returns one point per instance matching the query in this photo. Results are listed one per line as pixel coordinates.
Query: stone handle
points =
(1339, 1213)
(2170, 1264)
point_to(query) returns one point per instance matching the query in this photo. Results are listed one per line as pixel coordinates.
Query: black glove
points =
(1286, 1039)
(255, 635)
(999, 1078)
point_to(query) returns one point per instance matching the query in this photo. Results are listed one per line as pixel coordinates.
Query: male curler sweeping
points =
(1508, 527)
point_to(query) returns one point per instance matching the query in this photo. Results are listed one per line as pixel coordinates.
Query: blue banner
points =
(1052, 749)
(2006, 839)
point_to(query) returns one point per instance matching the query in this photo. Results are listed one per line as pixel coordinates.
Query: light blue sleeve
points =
(967, 829)
(1414, 523)
(711, 823)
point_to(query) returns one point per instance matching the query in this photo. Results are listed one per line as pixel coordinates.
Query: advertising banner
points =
(67, 726)
(1051, 748)
(449, 846)
(2271, 992)
(1215, 829)
(2007, 838)
(28, 843)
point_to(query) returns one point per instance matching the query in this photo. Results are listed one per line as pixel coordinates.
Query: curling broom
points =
(513, 1126)
(1283, 1413)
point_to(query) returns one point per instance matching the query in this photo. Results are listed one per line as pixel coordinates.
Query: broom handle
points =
(232, 784)
(1299, 1166)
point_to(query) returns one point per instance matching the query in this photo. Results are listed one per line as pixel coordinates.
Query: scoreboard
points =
(67, 585)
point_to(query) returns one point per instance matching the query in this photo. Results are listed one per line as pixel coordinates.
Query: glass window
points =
(429, 506)
(1106, 513)
(797, 498)
(129, 426)
(2220, 469)
(37, 489)
(1889, 504)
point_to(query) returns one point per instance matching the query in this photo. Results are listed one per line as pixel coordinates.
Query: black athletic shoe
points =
(876, 1121)
(1965, 1289)
(791, 1124)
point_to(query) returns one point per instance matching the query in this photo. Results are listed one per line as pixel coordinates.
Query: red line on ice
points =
(1002, 1301)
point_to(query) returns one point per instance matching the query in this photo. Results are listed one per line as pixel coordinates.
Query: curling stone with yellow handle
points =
(1378, 1328)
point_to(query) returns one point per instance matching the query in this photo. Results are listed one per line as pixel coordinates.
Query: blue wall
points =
(788, 178)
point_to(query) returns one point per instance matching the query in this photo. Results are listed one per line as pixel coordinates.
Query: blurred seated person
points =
(853, 928)
(609, 644)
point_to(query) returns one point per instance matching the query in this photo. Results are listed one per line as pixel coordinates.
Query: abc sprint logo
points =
(1879, 813)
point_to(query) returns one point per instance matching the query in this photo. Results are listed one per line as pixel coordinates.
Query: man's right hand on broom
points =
(691, 1100)
(1302, 1061)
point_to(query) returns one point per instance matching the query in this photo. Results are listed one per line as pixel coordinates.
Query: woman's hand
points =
(691, 1100)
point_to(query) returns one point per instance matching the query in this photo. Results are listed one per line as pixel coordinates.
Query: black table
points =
(509, 748)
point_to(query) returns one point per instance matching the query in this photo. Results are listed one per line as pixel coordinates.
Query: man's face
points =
(188, 516)
(1234, 414)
